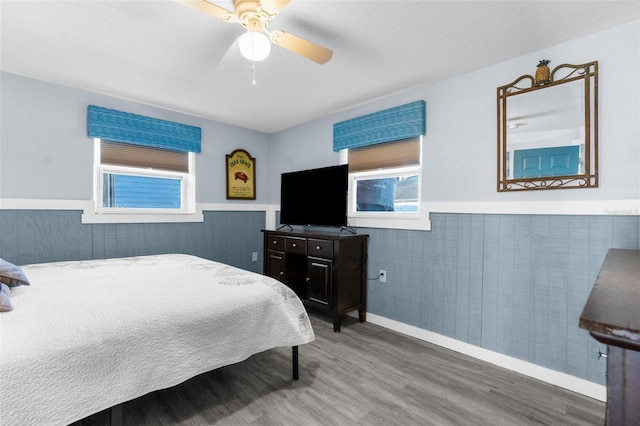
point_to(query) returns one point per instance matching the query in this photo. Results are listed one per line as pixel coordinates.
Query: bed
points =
(89, 335)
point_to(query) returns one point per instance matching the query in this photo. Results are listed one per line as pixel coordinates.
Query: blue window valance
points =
(393, 124)
(118, 126)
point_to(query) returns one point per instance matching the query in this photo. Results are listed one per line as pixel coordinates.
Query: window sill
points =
(90, 217)
(412, 221)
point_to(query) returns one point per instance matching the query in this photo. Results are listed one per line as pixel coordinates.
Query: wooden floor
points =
(365, 375)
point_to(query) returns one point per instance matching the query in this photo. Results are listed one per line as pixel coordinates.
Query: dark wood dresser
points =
(612, 316)
(327, 271)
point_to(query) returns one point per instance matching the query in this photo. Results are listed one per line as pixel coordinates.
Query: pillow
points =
(5, 293)
(11, 274)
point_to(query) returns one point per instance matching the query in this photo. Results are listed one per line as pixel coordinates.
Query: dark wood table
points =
(612, 316)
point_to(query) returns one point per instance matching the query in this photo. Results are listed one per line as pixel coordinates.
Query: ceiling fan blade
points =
(302, 47)
(272, 7)
(210, 9)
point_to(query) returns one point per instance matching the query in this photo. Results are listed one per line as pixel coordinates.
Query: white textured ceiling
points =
(164, 54)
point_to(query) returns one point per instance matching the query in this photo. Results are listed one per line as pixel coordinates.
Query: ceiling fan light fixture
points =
(254, 46)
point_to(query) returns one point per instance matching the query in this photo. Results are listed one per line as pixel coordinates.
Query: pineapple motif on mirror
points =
(548, 129)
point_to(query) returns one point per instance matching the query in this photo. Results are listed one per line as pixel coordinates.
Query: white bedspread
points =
(89, 335)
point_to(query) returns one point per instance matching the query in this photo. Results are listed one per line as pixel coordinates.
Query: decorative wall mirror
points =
(548, 129)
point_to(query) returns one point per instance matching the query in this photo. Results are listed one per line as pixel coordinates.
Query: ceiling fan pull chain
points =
(253, 68)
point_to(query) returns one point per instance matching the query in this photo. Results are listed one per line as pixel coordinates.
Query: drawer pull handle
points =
(294, 244)
(317, 247)
(275, 242)
(281, 273)
(601, 354)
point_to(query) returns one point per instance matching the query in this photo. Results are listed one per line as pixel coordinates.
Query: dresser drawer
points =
(320, 248)
(296, 245)
(275, 242)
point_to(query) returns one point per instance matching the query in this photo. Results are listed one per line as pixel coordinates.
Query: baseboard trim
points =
(563, 380)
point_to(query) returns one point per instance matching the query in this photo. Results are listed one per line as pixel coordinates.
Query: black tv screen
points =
(315, 196)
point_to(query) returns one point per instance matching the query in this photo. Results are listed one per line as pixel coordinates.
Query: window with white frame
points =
(383, 150)
(144, 167)
(134, 178)
(385, 178)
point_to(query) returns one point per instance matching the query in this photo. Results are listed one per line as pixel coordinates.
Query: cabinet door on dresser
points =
(319, 281)
(275, 265)
(275, 260)
(320, 272)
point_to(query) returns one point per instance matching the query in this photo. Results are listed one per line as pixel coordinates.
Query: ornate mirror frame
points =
(535, 151)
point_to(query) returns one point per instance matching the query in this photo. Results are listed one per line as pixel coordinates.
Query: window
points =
(131, 191)
(144, 168)
(383, 150)
(140, 179)
(385, 178)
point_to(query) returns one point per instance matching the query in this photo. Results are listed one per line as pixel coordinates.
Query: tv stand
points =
(327, 271)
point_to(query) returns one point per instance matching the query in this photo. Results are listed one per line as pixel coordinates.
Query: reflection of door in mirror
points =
(545, 132)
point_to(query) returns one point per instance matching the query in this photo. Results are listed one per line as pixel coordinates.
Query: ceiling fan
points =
(254, 15)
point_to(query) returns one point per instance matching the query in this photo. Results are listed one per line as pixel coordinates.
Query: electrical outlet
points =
(254, 256)
(383, 276)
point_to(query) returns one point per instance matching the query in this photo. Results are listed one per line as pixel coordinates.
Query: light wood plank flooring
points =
(365, 375)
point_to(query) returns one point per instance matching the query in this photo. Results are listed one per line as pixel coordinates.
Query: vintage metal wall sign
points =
(241, 175)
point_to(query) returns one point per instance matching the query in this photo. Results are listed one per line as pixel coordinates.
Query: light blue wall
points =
(36, 236)
(44, 131)
(45, 154)
(510, 283)
(459, 151)
(514, 284)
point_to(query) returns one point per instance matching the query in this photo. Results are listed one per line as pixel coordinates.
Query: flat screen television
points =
(315, 196)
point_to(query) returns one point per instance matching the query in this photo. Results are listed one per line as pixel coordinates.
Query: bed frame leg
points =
(116, 415)
(295, 362)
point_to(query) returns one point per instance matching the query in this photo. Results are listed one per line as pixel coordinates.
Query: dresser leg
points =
(362, 315)
(337, 321)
